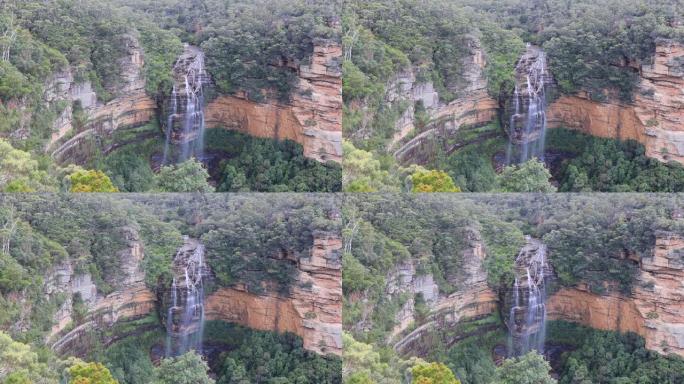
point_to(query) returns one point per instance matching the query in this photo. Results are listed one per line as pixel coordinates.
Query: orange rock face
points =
(312, 310)
(654, 309)
(655, 118)
(313, 117)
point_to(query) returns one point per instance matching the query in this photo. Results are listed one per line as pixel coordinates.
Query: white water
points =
(188, 307)
(534, 129)
(190, 104)
(527, 316)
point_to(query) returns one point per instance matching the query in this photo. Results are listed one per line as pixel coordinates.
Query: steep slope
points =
(655, 118)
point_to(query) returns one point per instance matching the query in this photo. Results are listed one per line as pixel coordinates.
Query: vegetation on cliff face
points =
(246, 238)
(607, 165)
(256, 241)
(602, 356)
(591, 46)
(590, 43)
(251, 46)
(588, 237)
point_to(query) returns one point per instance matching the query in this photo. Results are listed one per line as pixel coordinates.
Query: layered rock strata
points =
(312, 118)
(312, 309)
(654, 309)
(472, 300)
(131, 108)
(471, 108)
(655, 117)
(130, 301)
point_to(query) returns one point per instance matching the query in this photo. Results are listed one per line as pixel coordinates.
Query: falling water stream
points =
(187, 107)
(185, 315)
(527, 316)
(532, 135)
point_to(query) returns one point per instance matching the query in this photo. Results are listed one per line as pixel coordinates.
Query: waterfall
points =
(169, 124)
(527, 125)
(185, 315)
(185, 121)
(527, 315)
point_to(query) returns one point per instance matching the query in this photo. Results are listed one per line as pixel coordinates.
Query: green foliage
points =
(528, 369)
(13, 84)
(129, 360)
(471, 170)
(238, 252)
(364, 173)
(607, 165)
(611, 357)
(162, 49)
(531, 176)
(433, 373)
(90, 373)
(129, 170)
(90, 181)
(20, 364)
(366, 364)
(270, 357)
(471, 360)
(432, 181)
(189, 176)
(21, 172)
(186, 369)
(266, 165)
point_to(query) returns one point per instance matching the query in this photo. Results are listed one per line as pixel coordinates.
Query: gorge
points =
(153, 295)
(139, 91)
(478, 292)
(505, 84)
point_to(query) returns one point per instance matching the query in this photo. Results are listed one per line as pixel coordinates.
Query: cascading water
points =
(527, 315)
(527, 123)
(185, 315)
(185, 121)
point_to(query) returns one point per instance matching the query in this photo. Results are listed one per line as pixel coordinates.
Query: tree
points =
(90, 373)
(432, 181)
(363, 173)
(530, 176)
(190, 176)
(528, 369)
(19, 172)
(186, 369)
(433, 373)
(20, 364)
(91, 181)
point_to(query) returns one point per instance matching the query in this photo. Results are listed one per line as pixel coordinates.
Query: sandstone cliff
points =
(472, 107)
(130, 301)
(655, 118)
(131, 108)
(472, 300)
(654, 309)
(312, 309)
(313, 117)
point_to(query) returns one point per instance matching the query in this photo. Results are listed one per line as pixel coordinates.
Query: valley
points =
(144, 283)
(487, 287)
(574, 97)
